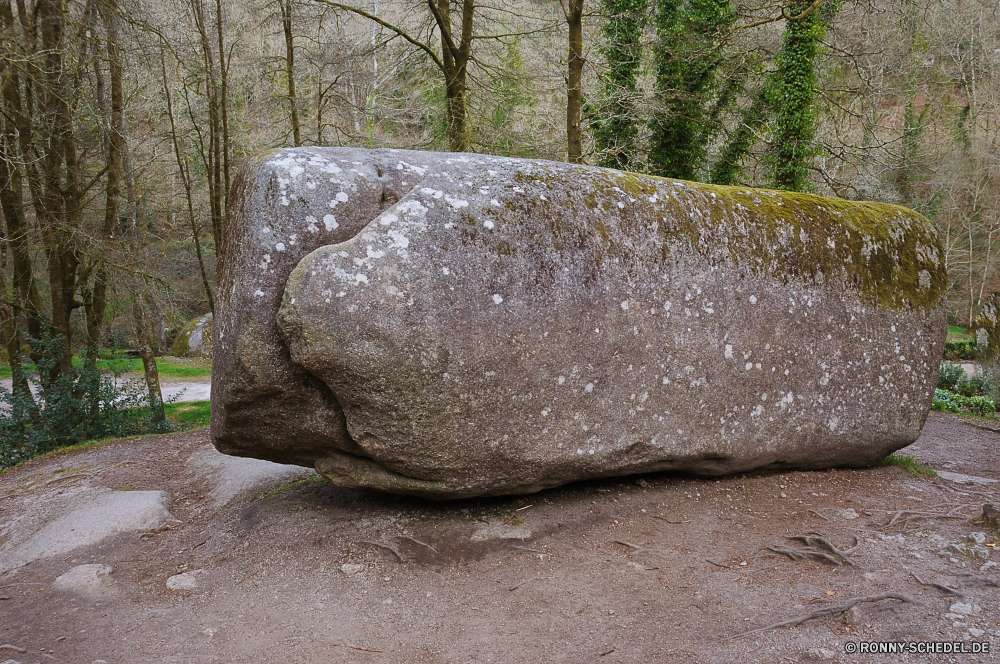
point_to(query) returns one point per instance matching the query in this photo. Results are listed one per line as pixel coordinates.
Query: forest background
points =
(123, 122)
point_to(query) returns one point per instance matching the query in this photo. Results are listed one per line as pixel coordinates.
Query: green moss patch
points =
(890, 255)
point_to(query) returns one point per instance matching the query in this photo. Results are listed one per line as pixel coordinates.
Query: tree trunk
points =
(574, 88)
(223, 104)
(186, 180)
(286, 24)
(146, 346)
(455, 63)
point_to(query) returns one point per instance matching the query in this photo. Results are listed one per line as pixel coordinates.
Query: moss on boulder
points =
(194, 339)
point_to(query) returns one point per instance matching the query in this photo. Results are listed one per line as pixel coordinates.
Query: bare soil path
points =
(222, 560)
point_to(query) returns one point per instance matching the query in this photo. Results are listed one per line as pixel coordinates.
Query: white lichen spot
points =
(399, 241)
(834, 421)
(360, 278)
(518, 190)
(488, 225)
(456, 203)
(311, 224)
(258, 293)
(753, 299)
(925, 279)
(433, 193)
(330, 222)
(729, 352)
(279, 246)
(562, 380)
(445, 271)
(497, 299)
(589, 388)
(749, 366)
(388, 219)
(545, 412)
(542, 196)
(624, 305)
(666, 381)
(621, 205)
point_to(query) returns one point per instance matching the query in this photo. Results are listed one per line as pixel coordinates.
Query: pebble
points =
(975, 633)
(185, 581)
(848, 513)
(351, 570)
(978, 538)
(961, 608)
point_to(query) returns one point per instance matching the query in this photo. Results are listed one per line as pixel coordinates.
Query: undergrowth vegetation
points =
(66, 408)
(909, 463)
(957, 392)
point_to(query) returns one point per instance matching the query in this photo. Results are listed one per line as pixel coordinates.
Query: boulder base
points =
(457, 325)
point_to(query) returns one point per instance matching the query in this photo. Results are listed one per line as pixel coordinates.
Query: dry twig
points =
(10, 646)
(335, 645)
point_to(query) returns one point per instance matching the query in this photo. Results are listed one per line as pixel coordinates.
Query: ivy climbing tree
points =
(728, 168)
(614, 123)
(687, 56)
(793, 129)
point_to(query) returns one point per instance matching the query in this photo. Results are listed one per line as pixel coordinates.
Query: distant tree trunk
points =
(146, 351)
(614, 122)
(794, 124)
(286, 24)
(727, 168)
(19, 382)
(95, 298)
(686, 60)
(574, 87)
(60, 193)
(223, 103)
(455, 63)
(211, 149)
(182, 168)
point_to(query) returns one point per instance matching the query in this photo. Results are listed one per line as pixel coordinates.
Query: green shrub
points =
(961, 349)
(85, 404)
(949, 375)
(956, 403)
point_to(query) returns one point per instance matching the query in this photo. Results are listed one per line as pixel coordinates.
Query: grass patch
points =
(174, 367)
(909, 463)
(190, 414)
(959, 332)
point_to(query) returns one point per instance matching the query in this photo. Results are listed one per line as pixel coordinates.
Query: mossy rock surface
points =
(455, 325)
(195, 338)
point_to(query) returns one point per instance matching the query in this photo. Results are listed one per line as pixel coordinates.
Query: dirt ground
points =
(254, 565)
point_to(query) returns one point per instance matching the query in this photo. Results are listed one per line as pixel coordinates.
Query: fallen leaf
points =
(830, 592)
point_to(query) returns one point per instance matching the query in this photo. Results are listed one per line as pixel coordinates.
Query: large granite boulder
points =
(455, 325)
(194, 339)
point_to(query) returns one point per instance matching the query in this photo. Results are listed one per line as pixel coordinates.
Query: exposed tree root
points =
(416, 541)
(816, 542)
(387, 548)
(834, 610)
(939, 586)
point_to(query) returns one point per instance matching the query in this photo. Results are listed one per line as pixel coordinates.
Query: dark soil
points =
(657, 568)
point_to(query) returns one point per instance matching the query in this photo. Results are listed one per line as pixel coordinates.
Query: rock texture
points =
(194, 339)
(454, 325)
